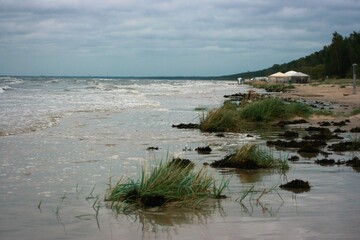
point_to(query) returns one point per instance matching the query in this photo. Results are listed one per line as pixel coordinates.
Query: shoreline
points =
(341, 98)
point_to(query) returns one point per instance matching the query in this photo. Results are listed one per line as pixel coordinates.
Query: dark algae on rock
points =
(186, 126)
(203, 150)
(345, 146)
(296, 186)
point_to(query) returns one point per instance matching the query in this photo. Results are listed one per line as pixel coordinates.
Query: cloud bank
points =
(164, 37)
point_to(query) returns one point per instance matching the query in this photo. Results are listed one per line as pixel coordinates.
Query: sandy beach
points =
(342, 99)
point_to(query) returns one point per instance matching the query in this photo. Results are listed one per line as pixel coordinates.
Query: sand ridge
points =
(341, 98)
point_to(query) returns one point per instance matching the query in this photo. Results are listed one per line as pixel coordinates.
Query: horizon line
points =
(113, 76)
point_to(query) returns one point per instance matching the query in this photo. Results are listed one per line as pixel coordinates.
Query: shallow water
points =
(53, 178)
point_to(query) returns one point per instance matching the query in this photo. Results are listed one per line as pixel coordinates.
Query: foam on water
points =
(37, 103)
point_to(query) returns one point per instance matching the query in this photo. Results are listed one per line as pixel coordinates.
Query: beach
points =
(340, 98)
(64, 140)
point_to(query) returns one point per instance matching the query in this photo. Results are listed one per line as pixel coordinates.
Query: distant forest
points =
(333, 61)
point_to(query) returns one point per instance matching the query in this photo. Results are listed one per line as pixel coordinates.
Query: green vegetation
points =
(272, 87)
(334, 82)
(268, 110)
(334, 60)
(355, 111)
(232, 118)
(251, 156)
(166, 182)
(223, 119)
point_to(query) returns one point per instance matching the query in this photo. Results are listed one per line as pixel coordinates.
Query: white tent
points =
(290, 73)
(278, 77)
(298, 77)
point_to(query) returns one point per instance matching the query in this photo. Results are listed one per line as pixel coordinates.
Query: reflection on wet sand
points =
(166, 220)
(252, 176)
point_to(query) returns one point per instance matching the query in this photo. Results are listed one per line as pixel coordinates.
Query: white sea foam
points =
(38, 103)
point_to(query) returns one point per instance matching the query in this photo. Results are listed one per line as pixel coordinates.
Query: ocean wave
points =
(27, 124)
(11, 80)
(5, 88)
(37, 104)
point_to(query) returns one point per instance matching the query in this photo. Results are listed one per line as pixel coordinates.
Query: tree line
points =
(333, 61)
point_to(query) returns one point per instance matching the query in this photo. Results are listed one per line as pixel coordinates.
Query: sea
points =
(64, 140)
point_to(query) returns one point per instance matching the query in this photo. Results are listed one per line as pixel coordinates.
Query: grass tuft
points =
(355, 111)
(250, 156)
(166, 182)
(271, 109)
(232, 118)
(272, 87)
(224, 119)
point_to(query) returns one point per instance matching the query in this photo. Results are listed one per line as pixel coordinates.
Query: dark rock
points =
(294, 158)
(345, 146)
(220, 135)
(309, 149)
(203, 150)
(236, 96)
(325, 162)
(324, 134)
(355, 162)
(355, 130)
(296, 144)
(152, 148)
(186, 126)
(339, 124)
(296, 186)
(338, 130)
(225, 162)
(289, 134)
(315, 129)
(324, 124)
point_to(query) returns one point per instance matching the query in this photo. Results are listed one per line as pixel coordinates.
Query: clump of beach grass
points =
(224, 119)
(167, 182)
(250, 156)
(355, 111)
(272, 87)
(270, 109)
(232, 118)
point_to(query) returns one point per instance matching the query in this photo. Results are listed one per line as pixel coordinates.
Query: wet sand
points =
(341, 99)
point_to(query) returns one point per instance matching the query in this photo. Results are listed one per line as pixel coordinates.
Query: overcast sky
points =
(165, 37)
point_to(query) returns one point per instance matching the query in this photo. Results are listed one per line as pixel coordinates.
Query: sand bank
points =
(341, 98)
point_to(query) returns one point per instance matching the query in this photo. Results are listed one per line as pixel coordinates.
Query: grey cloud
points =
(238, 32)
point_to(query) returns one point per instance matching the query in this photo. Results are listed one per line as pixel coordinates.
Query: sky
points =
(165, 37)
